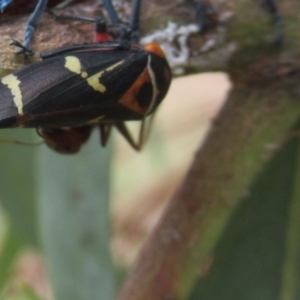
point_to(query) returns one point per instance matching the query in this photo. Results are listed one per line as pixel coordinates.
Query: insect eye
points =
(144, 95)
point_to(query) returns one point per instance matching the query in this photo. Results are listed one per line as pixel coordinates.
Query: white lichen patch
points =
(174, 41)
(187, 48)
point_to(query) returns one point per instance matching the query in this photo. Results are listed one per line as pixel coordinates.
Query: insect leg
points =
(271, 8)
(23, 50)
(144, 132)
(72, 18)
(135, 21)
(32, 23)
(105, 130)
(3, 4)
(17, 142)
(201, 10)
(30, 28)
(124, 130)
(111, 12)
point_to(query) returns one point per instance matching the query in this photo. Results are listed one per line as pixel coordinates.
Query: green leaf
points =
(74, 222)
(17, 182)
(23, 293)
(10, 247)
(258, 256)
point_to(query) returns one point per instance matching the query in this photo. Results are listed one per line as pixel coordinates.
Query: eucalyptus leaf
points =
(73, 193)
(10, 248)
(17, 181)
(258, 256)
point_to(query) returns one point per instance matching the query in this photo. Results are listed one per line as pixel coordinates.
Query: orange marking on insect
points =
(129, 98)
(155, 49)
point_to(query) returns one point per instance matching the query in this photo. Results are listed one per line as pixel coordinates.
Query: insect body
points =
(85, 87)
(70, 88)
(79, 87)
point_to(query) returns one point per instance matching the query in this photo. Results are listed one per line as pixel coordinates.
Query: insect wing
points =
(71, 89)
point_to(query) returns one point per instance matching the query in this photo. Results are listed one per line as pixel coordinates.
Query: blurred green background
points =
(112, 196)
